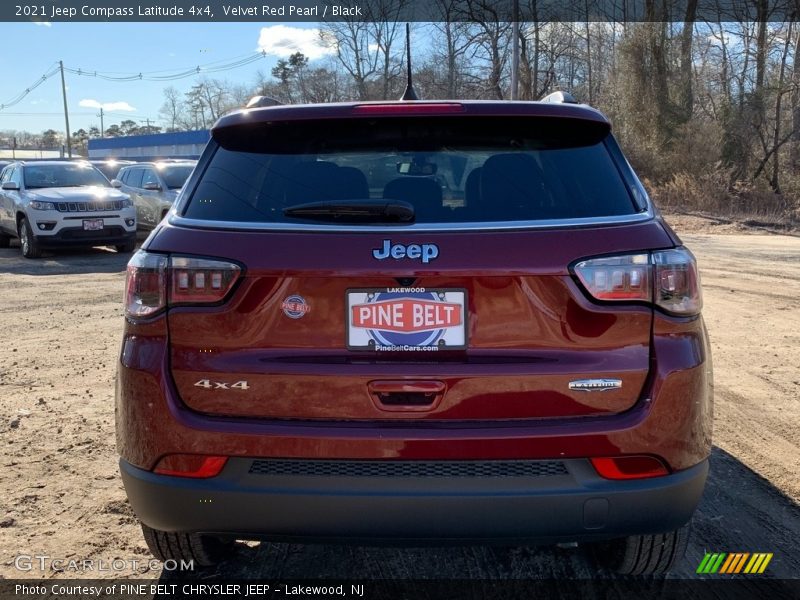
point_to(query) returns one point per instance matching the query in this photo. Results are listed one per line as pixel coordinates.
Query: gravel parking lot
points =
(60, 493)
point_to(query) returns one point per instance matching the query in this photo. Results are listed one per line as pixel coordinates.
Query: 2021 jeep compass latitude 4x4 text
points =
(418, 322)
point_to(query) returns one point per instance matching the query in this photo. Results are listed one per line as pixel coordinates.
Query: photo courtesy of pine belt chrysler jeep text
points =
(415, 322)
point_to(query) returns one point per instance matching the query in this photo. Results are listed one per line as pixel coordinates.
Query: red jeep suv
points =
(417, 322)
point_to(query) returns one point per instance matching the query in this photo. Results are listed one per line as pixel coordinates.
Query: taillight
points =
(146, 284)
(667, 278)
(156, 281)
(194, 280)
(617, 277)
(629, 467)
(677, 284)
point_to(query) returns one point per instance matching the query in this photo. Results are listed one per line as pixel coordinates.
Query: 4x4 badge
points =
(424, 252)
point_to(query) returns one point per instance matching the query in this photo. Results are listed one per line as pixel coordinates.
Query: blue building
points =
(180, 144)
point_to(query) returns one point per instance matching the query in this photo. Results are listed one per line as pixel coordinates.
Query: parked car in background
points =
(415, 321)
(52, 204)
(153, 187)
(110, 167)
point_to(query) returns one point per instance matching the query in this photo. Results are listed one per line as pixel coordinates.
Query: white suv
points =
(51, 204)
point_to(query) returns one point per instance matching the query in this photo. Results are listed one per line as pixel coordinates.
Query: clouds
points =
(283, 41)
(107, 106)
(42, 23)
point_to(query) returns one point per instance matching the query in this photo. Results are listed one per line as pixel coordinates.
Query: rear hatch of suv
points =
(376, 263)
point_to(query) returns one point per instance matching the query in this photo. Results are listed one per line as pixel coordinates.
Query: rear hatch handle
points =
(403, 395)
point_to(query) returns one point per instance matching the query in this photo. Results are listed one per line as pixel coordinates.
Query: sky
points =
(128, 48)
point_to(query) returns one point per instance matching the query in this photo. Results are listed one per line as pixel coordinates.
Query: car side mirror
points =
(116, 183)
(10, 185)
(152, 186)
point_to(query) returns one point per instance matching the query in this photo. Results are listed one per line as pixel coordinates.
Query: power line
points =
(212, 67)
(19, 97)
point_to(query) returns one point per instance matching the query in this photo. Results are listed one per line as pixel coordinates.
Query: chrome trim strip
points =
(175, 219)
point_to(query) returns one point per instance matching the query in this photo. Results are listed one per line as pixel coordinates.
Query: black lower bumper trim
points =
(575, 506)
(76, 236)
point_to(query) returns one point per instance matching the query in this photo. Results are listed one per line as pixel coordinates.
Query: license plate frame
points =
(426, 320)
(93, 224)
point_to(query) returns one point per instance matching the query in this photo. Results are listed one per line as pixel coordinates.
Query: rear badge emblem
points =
(595, 385)
(295, 306)
(424, 252)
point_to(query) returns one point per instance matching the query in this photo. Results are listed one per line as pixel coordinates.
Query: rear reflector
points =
(190, 281)
(408, 108)
(629, 467)
(190, 465)
(667, 278)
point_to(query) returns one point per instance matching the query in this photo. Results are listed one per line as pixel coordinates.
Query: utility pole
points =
(66, 113)
(102, 127)
(515, 52)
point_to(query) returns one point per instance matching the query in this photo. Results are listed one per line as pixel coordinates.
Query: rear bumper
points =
(561, 505)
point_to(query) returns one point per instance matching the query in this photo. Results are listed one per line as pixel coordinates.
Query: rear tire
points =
(126, 248)
(27, 242)
(643, 554)
(204, 550)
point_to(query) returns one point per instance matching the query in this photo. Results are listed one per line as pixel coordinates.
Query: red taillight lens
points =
(617, 277)
(190, 281)
(667, 278)
(677, 283)
(146, 284)
(190, 465)
(201, 280)
(408, 108)
(629, 467)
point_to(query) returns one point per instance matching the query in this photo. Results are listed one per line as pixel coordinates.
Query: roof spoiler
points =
(560, 98)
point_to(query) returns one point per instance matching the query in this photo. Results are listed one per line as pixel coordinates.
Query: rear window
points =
(451, 169)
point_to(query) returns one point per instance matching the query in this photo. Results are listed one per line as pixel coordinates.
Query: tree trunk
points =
(687, 36)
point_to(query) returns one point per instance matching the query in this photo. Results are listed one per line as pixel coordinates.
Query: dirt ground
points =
(61, 496)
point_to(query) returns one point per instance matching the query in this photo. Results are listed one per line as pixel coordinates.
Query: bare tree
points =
(172, 109)
(358, 56)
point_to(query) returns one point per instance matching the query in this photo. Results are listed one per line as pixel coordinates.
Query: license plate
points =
(92, 224)
(406, 319)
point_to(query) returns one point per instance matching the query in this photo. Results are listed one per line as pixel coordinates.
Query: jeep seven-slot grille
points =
(332, 468)
(88, 206)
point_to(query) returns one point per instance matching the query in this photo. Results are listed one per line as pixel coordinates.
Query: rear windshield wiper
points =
(354, 211)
